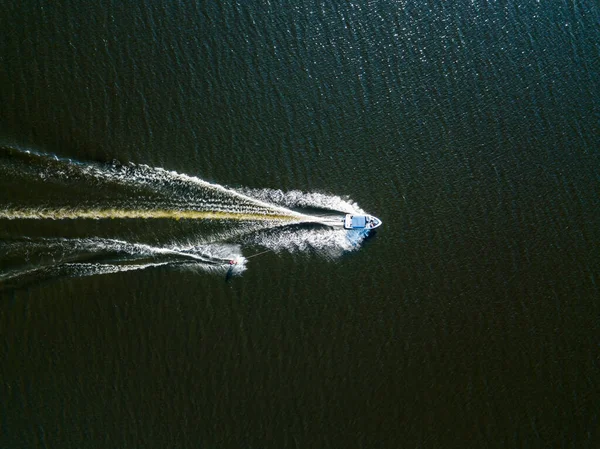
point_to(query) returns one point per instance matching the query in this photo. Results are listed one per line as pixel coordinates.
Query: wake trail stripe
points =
(99, 214)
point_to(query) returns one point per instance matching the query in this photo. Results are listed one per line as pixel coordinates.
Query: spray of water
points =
(35, 259)
(272, 219)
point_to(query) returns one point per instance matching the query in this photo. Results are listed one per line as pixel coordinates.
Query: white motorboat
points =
(361, 222)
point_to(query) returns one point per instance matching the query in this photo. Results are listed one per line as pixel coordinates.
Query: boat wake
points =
(89, 218)
(30, 260)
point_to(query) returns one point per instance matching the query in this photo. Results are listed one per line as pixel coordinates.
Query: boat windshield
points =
(359, 221)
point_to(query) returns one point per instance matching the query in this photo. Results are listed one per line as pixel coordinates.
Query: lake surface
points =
(470, 319)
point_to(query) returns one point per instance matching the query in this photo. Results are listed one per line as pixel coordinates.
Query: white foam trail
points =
(246, 216)
(299, 199)
(168, 189)
(82, 269)
(61, 246)
(90, 269)
(43, 258)
(331, 243)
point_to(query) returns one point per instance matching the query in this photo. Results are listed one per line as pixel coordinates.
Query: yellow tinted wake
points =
(100, 214)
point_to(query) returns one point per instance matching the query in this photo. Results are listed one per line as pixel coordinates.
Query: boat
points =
(361, 222)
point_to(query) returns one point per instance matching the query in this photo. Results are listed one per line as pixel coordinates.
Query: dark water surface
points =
(472, 318)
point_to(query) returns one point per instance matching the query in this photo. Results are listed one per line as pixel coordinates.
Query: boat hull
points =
(361, 222)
